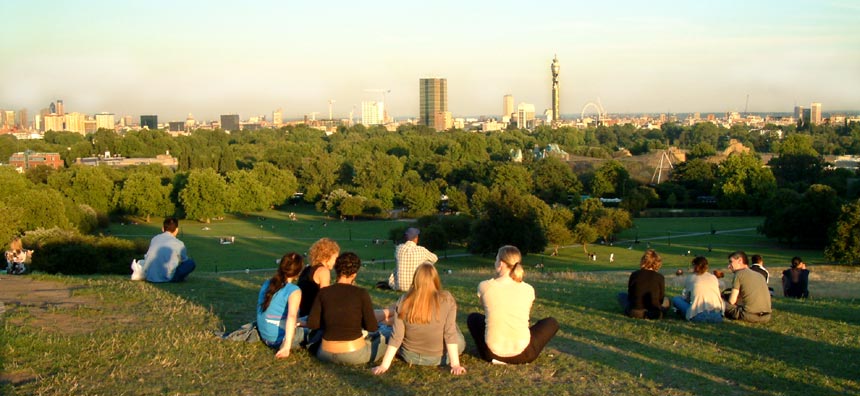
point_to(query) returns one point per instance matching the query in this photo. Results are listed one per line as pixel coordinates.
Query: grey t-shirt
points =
(428, 338)
(754, 295)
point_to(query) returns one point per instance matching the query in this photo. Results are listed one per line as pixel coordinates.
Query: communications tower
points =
(555, 68)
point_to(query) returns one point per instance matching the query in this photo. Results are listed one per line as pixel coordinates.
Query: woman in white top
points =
(701, 300)
(504, 335)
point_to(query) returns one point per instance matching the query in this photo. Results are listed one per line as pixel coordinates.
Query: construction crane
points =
(330, 103)
(313, 115)
(377, 90)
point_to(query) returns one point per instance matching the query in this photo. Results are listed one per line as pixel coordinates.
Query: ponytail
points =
(517, 272)
(511, 257)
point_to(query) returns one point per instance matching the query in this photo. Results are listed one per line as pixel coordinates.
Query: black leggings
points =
(541, 333)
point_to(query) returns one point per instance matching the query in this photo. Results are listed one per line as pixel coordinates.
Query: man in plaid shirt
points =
(409, 256)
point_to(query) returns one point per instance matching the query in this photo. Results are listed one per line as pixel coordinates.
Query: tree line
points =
(368, 172)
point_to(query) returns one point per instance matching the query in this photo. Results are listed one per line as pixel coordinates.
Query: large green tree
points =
(509, 219)
(88, 185)
(743, 182)
(143, 194)
(204, 195)
(554, 181)
(844, 244)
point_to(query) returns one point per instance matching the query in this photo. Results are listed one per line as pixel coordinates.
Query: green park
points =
(581, 206)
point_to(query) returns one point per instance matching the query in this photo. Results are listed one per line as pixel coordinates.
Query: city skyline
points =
(169, 59)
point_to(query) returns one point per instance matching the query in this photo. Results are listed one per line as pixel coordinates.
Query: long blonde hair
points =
(511, 257)
(421, 302)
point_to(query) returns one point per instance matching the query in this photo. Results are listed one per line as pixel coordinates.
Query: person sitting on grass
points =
(16, 256)
(795, 281)
(757, 265)
(503, 336)
(749, 299)
(701, 300)
(278, 308)
(425, 321)
(317, 275)
(166, 260)
(646, 289)
(345, 314)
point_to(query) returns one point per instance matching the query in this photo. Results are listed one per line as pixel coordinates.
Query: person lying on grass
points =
(424, 322)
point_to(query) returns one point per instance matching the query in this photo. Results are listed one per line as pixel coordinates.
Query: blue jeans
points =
(701, 317)
(298, 337)
(427, 360)
(182, 270)
(374, 348)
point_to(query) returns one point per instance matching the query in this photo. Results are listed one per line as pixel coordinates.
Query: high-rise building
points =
(526, 115)
(230, 122)
(815, 113)
(432, 101)
(554, 68)
(54, 123)
(60, 109)
(23, 119)
(149, 121)
(277, 117)
(75, 122)
(508, 106)
(105, 121)
(798, 113)
(52, 108)
(8, 119)
(372, 113)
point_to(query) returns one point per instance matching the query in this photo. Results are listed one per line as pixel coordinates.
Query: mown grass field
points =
(133, 338)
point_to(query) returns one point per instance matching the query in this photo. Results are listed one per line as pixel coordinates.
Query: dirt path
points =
(41, 299)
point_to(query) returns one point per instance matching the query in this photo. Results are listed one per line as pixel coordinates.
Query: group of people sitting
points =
(17, 257)
(336, 319)
(748, 299)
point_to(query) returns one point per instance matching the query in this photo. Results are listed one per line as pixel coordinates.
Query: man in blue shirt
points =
(166, 259)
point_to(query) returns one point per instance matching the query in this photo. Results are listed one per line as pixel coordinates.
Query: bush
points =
(67, 252)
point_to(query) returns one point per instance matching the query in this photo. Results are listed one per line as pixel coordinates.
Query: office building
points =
(230, 122)
(815, 113)
(75, 122)
(508, 106)
(554, 68)
(105, 121)
(176, 126)
(278, 117)
(8, 119)
(149, 121)
(432, 102)
(23, 119)
(372, 113)
(525, 116)
(798, 113)
(54, 123)
(60, 108)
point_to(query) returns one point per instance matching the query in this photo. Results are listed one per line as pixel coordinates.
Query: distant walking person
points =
(166, 260)
(749, 299)
(409, 255)
(503, 335)
(795, 281)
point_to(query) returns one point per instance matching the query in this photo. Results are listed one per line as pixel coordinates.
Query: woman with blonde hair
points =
(16, 256)
(503, 335)
(278, 307)
(317, 275)
(646, 289)
(425, 322)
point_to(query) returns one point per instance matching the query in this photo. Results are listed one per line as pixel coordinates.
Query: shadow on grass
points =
(837, 311)
(722, 358)
(235, 299)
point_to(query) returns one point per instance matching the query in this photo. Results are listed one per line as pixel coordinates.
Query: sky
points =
(176, 57)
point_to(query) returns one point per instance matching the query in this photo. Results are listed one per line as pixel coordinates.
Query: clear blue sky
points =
(172, 58)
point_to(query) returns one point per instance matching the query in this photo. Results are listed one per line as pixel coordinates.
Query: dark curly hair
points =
(347, 264)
